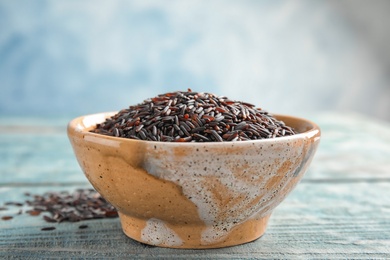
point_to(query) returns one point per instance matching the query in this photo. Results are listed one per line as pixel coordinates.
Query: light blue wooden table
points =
(341, 209)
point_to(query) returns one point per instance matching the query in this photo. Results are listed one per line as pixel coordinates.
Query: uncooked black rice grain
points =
(187, 116)
(47, 228)
(64, 206)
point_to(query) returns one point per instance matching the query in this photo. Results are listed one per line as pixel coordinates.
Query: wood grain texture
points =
(352, 147)
(341, 209)
(316, 221)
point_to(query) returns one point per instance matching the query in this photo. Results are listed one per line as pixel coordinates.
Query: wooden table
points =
(341, 209)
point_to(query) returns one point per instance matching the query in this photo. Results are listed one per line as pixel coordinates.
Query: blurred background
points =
(69, 58)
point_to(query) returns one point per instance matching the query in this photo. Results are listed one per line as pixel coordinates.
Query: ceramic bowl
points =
(193, 195)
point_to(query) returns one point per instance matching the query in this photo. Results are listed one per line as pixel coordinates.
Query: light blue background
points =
(70, 58)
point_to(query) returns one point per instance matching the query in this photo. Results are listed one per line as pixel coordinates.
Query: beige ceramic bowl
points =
(193, 195)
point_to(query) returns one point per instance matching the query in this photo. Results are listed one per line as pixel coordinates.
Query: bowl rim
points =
(74, 126)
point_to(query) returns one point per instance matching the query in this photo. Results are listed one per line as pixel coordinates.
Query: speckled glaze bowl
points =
(193, 195)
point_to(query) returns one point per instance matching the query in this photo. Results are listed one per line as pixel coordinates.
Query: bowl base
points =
(158, 233)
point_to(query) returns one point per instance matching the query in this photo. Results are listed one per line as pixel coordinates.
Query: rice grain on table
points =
(193, 117)
(63, 206)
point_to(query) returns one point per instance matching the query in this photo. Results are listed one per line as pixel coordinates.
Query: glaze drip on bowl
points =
(221, 181)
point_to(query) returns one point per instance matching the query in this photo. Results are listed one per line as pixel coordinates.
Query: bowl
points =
(193, 195)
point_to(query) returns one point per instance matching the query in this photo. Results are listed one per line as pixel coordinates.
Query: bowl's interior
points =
(89, 122)
(299, 124)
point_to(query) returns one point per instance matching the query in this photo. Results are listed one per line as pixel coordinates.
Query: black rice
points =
(82, 204)
(193, 117)
(47, 228)
(6, 217)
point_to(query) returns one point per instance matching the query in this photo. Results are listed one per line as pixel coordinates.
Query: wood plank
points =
(35, 158)
(352, 147)
(318, 220)
(36, 150)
